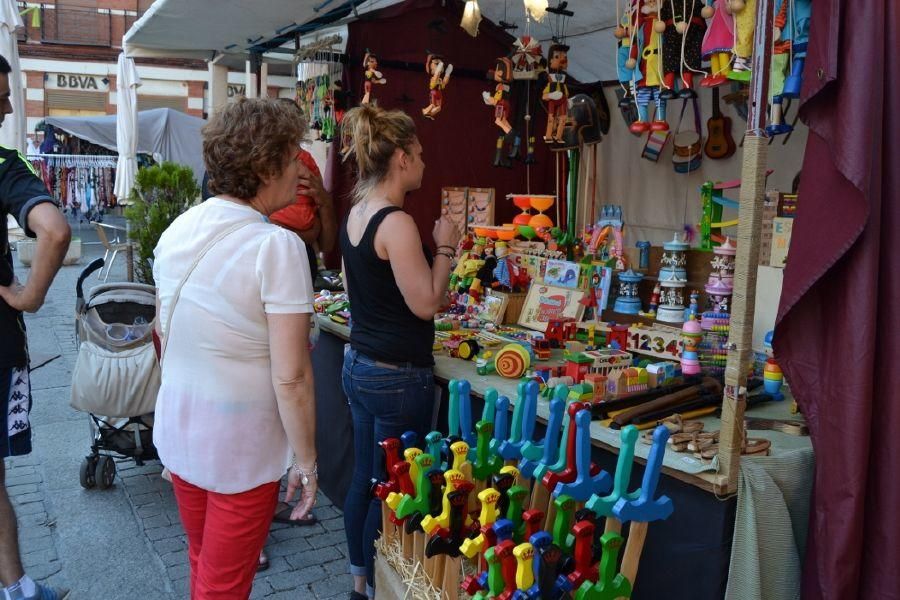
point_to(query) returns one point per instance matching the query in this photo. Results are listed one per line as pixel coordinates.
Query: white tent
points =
(163, 132)
(169, 28)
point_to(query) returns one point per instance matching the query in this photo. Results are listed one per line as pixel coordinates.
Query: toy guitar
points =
(719, 143)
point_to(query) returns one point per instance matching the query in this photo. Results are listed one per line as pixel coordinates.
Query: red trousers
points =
(226, 533)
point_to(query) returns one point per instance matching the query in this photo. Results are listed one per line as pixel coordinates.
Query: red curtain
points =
(459, 144)
(837, 332)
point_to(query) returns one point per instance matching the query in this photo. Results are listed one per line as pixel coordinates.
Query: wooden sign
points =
(480, 206)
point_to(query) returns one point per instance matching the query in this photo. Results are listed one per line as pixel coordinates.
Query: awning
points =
(208, 28)
(168, 133)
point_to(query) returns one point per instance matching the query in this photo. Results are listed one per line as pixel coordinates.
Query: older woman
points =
(236, 400)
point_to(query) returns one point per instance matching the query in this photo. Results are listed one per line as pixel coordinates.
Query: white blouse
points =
(217, 424)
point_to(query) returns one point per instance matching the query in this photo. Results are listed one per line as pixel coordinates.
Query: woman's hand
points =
(445, 232)
(307, 494)
(310, 184)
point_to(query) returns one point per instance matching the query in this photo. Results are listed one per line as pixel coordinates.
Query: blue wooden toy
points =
(646, 508)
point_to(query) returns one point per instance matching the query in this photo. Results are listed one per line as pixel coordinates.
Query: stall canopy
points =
(168, 133)
(170, 28)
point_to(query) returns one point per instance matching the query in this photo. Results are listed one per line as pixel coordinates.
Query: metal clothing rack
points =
(76, 160)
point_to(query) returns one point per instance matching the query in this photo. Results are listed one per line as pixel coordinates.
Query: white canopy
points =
(164, 132)
(127, 82)
(207, 28)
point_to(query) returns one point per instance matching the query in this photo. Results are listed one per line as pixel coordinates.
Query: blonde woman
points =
(395, 286)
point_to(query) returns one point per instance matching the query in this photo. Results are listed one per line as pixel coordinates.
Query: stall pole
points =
(753, 194)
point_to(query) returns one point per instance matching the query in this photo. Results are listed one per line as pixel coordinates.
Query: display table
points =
(690, 554)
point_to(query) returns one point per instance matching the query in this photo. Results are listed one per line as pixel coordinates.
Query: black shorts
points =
(15, 406)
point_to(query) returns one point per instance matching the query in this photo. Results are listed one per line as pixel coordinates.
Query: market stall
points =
(626, 240)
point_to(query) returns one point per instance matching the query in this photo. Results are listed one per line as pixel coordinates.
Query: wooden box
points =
(514, 304)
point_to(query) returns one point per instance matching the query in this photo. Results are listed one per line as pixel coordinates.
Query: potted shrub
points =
(160, 194)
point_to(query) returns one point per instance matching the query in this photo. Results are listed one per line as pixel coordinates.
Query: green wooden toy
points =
(565, 509)
(610, 584)
(486, 463)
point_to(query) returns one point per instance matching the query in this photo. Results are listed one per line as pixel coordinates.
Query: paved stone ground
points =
(127, 541)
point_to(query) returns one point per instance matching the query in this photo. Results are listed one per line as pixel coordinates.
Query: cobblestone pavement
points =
(127, 541)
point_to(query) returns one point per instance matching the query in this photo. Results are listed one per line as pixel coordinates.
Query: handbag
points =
(687, 146)
(184, 278)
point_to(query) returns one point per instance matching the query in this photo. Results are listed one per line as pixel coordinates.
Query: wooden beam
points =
(753, 194)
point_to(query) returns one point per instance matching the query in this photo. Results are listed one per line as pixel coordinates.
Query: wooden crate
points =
(514, 304)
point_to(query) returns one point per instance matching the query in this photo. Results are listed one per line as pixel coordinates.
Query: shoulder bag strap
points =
(184, 278)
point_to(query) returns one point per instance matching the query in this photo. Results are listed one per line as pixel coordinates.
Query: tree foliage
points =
(160, 194)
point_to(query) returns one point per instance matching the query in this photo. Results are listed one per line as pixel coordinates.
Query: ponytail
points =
(371, 136)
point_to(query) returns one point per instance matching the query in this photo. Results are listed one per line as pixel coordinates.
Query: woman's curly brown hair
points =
(246, 141)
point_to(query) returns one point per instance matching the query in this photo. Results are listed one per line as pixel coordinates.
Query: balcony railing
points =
(76, 26)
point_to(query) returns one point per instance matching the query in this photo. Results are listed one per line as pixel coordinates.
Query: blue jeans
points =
(385, 401)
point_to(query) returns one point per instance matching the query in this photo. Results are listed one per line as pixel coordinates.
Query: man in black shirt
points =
(24, 196)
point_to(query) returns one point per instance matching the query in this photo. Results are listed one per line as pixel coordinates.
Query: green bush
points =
(160, 194)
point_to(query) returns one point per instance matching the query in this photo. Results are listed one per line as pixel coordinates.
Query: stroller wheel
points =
(105, 472)
(86, 474)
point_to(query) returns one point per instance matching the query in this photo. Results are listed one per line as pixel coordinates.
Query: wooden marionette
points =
(627, 74)
(645, 55)
(682, 40)
(718, 42)
(744, 12)
(556, 92)
(373, 77)
(500, 100)
(791, 36)
(439, 78)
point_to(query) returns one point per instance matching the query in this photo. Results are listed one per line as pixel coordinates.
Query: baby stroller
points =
(116, 376)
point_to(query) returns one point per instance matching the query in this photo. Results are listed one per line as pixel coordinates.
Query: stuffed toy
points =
(682, 40)
(556, 92)
(439, 77)
(373, 76)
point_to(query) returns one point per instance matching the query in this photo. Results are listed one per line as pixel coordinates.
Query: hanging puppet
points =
(791, 37)
(718, 43)
(527, 65)
(439, 78)
(645, 56)
(556, 92)
(373, 77)
(681, 44)
(624, 32)
(744, 12)
(500, 100)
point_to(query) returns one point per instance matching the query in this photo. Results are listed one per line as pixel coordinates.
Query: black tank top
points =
(384, 328)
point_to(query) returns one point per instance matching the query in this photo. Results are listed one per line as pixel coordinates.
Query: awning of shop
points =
(209, 28)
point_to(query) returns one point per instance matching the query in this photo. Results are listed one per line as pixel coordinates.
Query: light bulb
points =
(471, 17)
(536, 9)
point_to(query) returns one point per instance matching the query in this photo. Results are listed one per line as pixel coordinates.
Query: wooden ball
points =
(681, 27)
(630, 64)
(620, 33)
(659, 26)
(737, 5)
(707, 12)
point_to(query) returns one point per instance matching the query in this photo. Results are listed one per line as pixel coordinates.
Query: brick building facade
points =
(68, 54)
